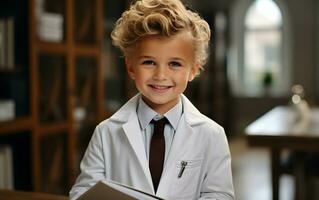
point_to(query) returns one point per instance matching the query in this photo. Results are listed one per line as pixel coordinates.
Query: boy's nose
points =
(160, 72)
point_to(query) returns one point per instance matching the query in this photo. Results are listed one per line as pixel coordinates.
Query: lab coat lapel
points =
(133, 133)
(127, 115)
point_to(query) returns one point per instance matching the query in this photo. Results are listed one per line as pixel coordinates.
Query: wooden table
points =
(277, 130)
(17, 195)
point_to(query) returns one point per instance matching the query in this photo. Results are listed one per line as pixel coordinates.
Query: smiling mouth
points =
(160, 87)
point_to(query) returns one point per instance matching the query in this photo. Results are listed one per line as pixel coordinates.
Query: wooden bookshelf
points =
(64, 73)
(63, 79)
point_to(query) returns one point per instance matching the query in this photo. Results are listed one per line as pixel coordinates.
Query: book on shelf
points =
(6, 167)
(114, 190)
(7, 43)
(7, 110)
(50, 27)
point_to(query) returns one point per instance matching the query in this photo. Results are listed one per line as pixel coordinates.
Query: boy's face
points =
(161, 68)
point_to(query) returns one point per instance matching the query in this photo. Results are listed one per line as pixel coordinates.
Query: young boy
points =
(165, 46)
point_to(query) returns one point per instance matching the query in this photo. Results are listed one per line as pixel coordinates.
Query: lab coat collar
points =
(128, 110)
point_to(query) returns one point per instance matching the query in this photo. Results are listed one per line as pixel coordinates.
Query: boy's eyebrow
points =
(177, 58)
(151, 57)
(145, 56)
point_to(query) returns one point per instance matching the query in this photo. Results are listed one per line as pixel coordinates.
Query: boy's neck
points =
(161, 108)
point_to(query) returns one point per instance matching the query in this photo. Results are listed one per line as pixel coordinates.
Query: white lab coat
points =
(116, 152)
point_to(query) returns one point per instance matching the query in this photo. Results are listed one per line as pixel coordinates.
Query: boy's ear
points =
(130, 68)
(194, 72)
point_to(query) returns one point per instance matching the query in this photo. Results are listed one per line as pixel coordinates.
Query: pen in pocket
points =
(181, 171)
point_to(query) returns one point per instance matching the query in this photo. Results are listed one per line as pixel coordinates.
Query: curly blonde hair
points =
(160, 17)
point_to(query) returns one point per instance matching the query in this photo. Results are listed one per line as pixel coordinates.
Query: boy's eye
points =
(175, 64)
(148, 62)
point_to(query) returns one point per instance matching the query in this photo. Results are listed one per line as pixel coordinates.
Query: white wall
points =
(304, 27)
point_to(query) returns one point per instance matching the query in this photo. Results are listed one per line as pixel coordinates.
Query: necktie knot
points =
(159, 126)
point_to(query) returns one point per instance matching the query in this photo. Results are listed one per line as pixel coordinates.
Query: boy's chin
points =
(160, 102)
(158, 99)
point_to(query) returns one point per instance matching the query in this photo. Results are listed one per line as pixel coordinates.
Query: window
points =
(259, 58)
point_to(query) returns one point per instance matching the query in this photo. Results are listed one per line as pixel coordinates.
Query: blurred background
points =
(60, 76)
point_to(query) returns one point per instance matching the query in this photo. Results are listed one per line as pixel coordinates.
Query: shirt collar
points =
(146, 114)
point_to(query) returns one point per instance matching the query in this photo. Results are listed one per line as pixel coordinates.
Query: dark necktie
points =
(157, 151)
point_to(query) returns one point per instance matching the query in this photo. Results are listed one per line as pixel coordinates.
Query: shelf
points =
(47, 129)
(13, 70)
(52, 47)
(16, 125)
(87, 50)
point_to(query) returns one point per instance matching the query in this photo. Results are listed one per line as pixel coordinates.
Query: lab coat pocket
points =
(184, 184)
